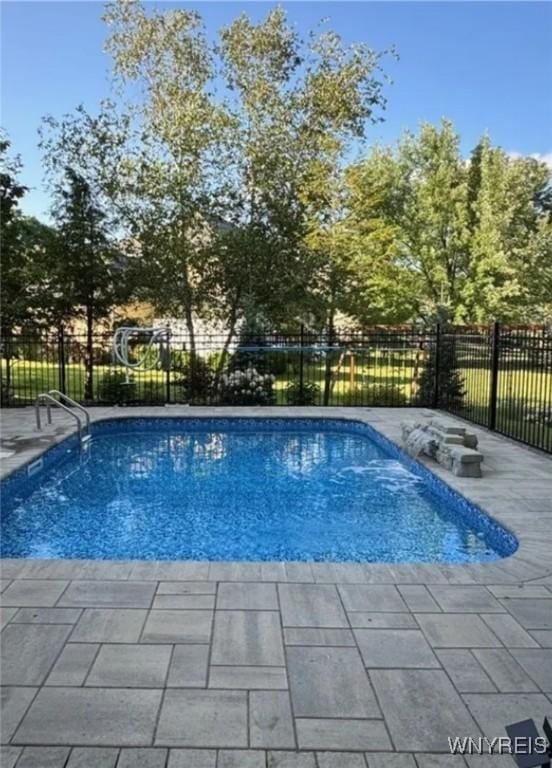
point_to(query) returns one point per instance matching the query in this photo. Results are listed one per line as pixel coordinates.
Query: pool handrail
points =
(73, 403)
(48, 399)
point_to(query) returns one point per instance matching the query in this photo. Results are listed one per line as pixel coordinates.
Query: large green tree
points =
(433, 229)
(25, 247)
(295, 109)
(215, 156)
(86, 272)
(14, 297)
(16, 303)
(509, 272)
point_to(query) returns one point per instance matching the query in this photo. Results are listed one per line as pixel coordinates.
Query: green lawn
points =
(361, 384)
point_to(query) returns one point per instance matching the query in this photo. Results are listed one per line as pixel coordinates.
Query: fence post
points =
(301, 361)
(328, 365)
(495, 352)
(436, 383)
(61, 359)
(168, 374)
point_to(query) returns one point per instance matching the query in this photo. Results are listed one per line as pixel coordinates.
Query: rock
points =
(446, 437)
(466, 462)
(470, 440)
(447, 427)
(450, 445)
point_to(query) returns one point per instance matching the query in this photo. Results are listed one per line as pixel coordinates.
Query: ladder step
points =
(34, 467)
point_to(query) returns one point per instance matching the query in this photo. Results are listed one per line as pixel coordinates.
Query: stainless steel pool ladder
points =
(57, 398)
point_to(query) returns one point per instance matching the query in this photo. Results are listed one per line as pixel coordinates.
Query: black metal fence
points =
(505, 372)
(507, 380)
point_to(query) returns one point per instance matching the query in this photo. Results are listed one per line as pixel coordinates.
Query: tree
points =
(214, 156)
(433, 230)
(168, 186)
(441, 382)
(87, 270)
(25, 243)
(219, 188)
(15, 305)
(509, 273)
(296, 107)
(414, 198)
(387, 289)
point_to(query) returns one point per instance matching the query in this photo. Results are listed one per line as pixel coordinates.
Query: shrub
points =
(179, 359)
(307, 394)
(7, 396)
(245, 359)
(247, 387)
(276, 362)
(384, 394)
(103, 355)
(358, 396)
(197, 379)
(375, 395)
(218, 359)
(115, 389)
(450, 384)
(152, 392)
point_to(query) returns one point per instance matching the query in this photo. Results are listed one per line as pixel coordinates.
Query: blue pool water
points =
(241, 489)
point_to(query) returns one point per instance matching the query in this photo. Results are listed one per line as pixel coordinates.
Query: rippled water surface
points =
(237, 492)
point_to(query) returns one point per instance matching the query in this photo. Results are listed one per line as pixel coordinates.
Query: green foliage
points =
(450, 382)
(276, 363)
(84, 268)
(24, 243)
(376, 395)
(235, 202)
(14, 257)
(197, 379)
(250, 350)
(510, 265)
(217, 361)
(218, 190)
(152, 392)
(306, 393)
(115, 390)
(431, 229)
(179, 359)
(7, 396)
(246, 387)
(386, 395)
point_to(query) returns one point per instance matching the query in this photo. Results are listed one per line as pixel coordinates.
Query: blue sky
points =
(485, 65)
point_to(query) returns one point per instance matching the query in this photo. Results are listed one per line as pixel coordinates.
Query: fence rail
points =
(505, 372)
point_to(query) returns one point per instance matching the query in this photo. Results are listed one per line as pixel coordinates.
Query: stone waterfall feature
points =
(449, 444)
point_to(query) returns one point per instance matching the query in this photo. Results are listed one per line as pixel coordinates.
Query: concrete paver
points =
(262, 665)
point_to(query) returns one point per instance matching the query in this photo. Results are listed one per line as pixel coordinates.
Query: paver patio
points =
(279, 665)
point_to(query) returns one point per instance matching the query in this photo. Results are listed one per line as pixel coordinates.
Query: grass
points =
(359, 384)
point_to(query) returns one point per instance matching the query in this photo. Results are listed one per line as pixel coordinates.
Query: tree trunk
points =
(328, 366)
(188, 313)
(89, 363)
(191, 331)
(232, 328)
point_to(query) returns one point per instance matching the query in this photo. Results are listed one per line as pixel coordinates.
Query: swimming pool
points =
(241, 489)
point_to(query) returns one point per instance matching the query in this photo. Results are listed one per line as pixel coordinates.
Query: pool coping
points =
(516, 497)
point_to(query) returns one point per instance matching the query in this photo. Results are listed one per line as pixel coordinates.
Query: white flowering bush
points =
(246, 387)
